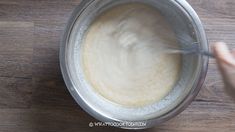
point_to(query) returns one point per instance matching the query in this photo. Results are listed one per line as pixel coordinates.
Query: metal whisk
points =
(191, 49)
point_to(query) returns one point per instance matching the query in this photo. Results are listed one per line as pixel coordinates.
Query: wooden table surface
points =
(34, 98)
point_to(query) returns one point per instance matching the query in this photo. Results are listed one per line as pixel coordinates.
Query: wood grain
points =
(33, 97)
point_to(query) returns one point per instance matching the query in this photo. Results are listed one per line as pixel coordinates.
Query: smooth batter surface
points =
(122, 58)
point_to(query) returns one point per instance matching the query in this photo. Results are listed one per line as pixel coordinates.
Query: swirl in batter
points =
(122, 58)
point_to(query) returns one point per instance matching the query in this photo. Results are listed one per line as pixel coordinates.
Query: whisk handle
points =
(206, 53)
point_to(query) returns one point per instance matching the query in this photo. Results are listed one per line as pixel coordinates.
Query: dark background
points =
(33, 97)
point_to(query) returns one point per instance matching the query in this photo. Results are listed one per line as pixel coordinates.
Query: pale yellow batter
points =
(122, 58)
